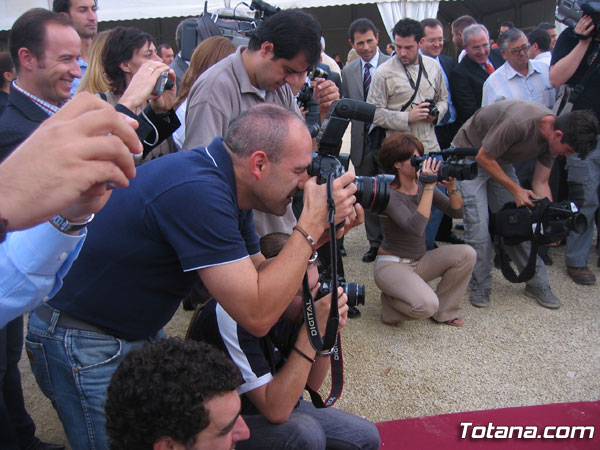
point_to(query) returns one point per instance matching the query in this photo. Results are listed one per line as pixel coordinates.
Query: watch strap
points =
(65, 226)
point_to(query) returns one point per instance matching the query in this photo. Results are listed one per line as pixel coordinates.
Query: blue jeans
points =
(435, 219)
(73, 369)
(309, 428)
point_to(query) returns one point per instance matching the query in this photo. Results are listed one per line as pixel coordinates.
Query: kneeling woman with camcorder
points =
(403, 267)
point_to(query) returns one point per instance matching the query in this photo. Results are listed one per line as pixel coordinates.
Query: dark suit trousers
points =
(17, 430)
(368, 168)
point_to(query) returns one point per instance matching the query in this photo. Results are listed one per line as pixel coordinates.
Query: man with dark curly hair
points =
(175, 394)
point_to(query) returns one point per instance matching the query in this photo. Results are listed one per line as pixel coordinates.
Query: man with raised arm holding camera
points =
(506, 132)
(576, 62)
(276, 368)
(186, 215)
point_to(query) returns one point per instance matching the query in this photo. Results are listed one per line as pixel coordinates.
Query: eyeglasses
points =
(518, 50)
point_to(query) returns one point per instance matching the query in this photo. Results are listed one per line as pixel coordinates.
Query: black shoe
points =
(353, 312)
(45, 446)
(370, 255)
(451, 238)
(459, 226)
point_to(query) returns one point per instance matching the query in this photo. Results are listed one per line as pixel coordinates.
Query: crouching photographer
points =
(277, 367)
(403, 267)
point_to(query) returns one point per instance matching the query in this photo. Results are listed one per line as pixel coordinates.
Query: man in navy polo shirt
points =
(187, 214)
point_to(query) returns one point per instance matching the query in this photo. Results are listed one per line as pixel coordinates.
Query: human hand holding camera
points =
(324, 304)
(142, 84)
(420, 112)
(523, 197)
(429, 172)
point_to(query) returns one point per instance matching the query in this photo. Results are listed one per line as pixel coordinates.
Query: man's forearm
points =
(563, 69)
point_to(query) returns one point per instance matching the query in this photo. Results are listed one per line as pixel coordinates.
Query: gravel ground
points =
(513, 353)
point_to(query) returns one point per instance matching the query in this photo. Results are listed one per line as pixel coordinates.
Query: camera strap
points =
(412, 84)
(337, 379)
(324, 346)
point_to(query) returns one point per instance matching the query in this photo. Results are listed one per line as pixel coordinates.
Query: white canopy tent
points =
(390, 12)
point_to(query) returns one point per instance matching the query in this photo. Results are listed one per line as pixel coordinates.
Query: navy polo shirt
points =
(139, 260)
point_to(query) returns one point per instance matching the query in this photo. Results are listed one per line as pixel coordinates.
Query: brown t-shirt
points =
(509, 131)
(404, 227)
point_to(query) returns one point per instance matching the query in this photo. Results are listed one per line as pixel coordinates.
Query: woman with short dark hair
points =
(403, 266)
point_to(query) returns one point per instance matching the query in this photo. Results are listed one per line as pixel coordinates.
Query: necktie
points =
(489, 68)
(367, 79)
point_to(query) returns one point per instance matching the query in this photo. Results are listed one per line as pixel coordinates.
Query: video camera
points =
(554, 220)
(373, 192)
(235, 27)
(570, 11)
(452, 165)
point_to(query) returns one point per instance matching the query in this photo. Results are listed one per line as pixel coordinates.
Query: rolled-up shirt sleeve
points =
(33, 263)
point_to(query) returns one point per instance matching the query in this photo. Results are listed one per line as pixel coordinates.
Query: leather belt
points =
(65, 320)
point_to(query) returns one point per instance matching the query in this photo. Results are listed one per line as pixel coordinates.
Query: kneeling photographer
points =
(506, 132)
(403, 266)
(277, 367)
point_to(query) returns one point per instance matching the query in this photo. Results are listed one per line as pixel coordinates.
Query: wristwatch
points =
(65, 226)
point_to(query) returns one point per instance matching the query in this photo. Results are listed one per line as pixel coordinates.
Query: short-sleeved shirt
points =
(179, 214)
(590, 98)
(258, 359)
(221, 94)
(509, 131)
(404, 227)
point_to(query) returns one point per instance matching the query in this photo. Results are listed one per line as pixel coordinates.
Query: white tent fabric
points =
(10, 10)
(392, 12)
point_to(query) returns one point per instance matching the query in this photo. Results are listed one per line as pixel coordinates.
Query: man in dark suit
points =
(44, 47)
(432, 45)
(466, 81)
(356, 79)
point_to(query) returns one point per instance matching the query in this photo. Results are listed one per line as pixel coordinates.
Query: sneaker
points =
(581, 275)
(480, 298)
(543, 295)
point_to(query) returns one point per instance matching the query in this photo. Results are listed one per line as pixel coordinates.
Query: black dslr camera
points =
(570, 11)
(373, 192)
(354, 291)
(453, 165)
(433, 111)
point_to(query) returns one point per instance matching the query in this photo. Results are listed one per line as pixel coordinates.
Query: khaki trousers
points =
(406, 294)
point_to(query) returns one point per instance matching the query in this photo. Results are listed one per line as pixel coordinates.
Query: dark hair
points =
(407, 28)
(462, 22)
(362, 25)
(120, 47)
(291, 32)
(29, 31)
(160, 49)
(510, 35)
(431, 23)
(507, 23)
(61, 6)
(272, 243)
(263, 127)
(398, 148)
(580, 130)
(546, 26)
(161, 389)
(6, 65)
(541, 38)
